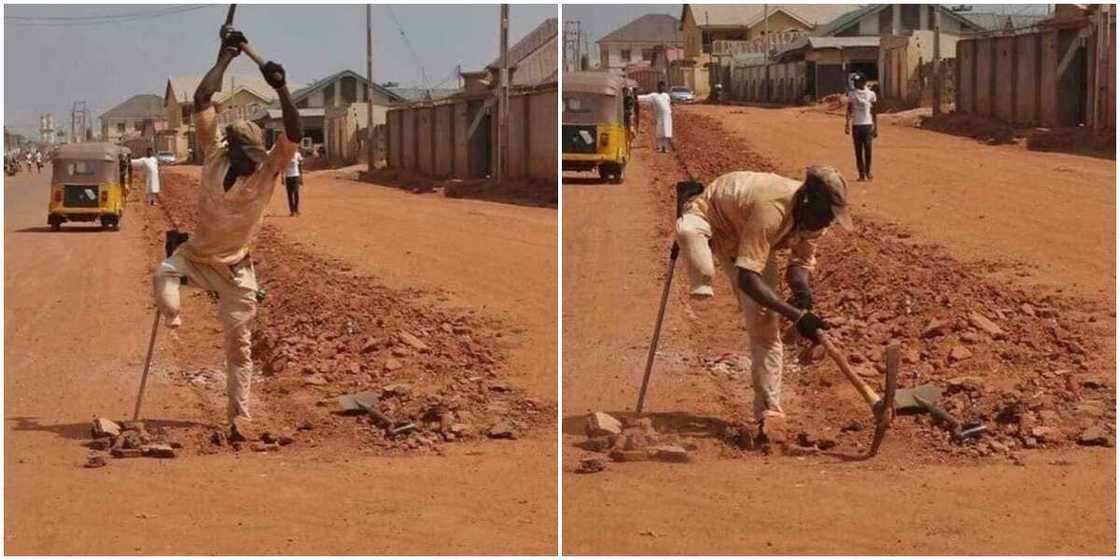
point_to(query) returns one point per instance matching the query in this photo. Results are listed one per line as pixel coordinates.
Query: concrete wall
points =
(788, 83)
(984, 74)
(435, 138)
(966, 78)
(1026, 78)
(1003, 104)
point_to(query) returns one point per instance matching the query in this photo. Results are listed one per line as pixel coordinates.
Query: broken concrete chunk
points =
(392, 364)
(103, 427)
(411, 340)
(159, 450)
(354, 402)
(134, 426)
(794, 450)
(591, 465)
(127, 453)
(959, 354)
(671, 454)
(936, 328)
(502, 430)
(623, 456)
(602, 424)
(600, 444)
(987, 325)
(262, 447)
(101, 444)
(1096, 436)
(96, 460)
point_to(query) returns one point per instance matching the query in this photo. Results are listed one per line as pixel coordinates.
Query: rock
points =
(602, 424)
(96, 461)
(853, 426)
(970, 338)
(794, 450)
(371, 344)
(159, 450)
(122, 453)
(966, 383)
(959, 354)
(1046, 433)
(101, 444)
(671, 454)
(446, 327)
(502, 430)
(134, 426)
(399, 351)
(103, 427)
(219, 437)
(591, 465)
(600, 444)
(1094, 383)
(411, 340)
(987, 325)
(460, 330)
(499, 387)
(316, 380)
(1096, 436)
(461, 430)
(392, 364)
(1049, 418)
(936, 328)
(910, 356)
(1027, 309)
(129, 440)
(623, 456)
(824, 444)
(396, 390)
(262, 447)
(285, 440)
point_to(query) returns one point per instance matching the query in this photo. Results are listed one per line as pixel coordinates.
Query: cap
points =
(248, 136)
(837, 189)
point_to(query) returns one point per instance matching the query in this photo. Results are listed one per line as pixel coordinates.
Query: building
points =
(239, 97)
(636, 41)
(715, 32)
(532, 59)
(130, 115)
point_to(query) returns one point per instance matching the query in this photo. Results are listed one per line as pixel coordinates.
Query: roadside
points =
(917, 497)
(90, 290)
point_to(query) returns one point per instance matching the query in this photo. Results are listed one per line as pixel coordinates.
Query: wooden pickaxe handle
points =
(864, 389)
(252, 54)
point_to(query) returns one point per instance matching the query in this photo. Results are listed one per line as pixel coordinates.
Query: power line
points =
(407, 43)
(62, 21)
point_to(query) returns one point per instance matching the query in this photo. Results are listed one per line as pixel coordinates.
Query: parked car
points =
(681, 94)
(165, 158)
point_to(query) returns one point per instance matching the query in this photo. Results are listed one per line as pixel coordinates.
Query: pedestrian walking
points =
(293, 178)
(862, 122)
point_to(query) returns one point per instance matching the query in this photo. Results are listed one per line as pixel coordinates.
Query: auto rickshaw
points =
(594, 135)
(89, 183)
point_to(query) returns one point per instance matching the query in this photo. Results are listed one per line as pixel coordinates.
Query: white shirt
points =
(151, 173)
(293, 166)
(860, 101)
(662, 112)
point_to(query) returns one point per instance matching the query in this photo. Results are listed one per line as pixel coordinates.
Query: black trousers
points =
(861, 137)
(293, 193)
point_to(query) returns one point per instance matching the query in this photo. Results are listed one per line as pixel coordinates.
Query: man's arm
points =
(754, 286)
(212, 82)
(293, 129)
(848, 116)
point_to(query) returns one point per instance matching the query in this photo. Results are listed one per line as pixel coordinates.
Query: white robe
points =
(662, 112)
(151, 173)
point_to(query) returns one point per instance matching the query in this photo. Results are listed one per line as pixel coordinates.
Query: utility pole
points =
(369, 91)
(503, 97)
(936, 61)
(766, 45)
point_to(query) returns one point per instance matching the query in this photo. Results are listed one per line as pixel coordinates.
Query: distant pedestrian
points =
(151, 176)
(38, 162)
(663, 114)
(293, 178)
(861, 121)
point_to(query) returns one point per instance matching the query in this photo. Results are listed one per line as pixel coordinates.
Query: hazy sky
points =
(48, 67)
(597, 20)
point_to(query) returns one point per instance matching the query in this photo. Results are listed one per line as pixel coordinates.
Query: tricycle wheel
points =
(54, 222)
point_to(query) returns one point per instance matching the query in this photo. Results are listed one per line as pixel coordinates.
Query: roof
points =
(995, 22)
(422, 94)
(650, 28)
(88, 150)
(304, 92)
(853, 17)
(747, 15)
(183, 87)
(144, 106)
(540, 36)
(594, 82)
(271, 113)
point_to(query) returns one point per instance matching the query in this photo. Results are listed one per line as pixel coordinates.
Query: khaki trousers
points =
(763, 326)
(236, 287)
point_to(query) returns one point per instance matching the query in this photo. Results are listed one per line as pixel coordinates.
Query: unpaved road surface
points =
(78, 316)
(921, 495)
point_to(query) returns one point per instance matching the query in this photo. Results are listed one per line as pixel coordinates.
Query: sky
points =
(597, 20)
(48, 67)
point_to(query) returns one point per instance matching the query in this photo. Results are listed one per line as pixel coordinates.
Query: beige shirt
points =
(229, 220)
(751, 215)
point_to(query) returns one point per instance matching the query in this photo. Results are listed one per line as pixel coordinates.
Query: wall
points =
(432, 139)
(788, 83)
(1014, 78)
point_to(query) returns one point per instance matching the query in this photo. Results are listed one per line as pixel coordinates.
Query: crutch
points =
(685, 191)
(147, 366)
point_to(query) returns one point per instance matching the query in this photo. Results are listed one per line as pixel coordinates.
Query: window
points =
(138, 125)
(626, 55)
(328, 96)
(647, 54)
(121, 127)
(348, 89)
(76, 168)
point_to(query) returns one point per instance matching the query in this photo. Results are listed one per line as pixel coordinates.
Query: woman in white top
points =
(293, 178)
(862, 123)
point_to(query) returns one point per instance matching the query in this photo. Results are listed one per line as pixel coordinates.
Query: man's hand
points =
(875, 132)
(810, 325)
(232, 42)
(801, 299)
(274, 74)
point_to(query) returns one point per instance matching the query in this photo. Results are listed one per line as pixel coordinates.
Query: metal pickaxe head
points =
(227, 27)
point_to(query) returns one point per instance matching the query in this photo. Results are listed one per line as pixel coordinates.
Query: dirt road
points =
(77, 321)
(910, 500)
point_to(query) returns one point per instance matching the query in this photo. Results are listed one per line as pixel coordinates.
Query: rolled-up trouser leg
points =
(167, 279)
(763, 332)
(693, 235)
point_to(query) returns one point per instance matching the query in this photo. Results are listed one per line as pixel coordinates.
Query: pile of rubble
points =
(631, 442)
(325, 331)
(127, 440)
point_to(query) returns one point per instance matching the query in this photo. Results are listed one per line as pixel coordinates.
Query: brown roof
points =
(143, 106)
(650, 28)
(746, 15)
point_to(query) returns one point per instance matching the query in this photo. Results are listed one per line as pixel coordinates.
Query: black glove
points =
(233, 40)
(809, 324)
(801, 299)
(273, 74)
